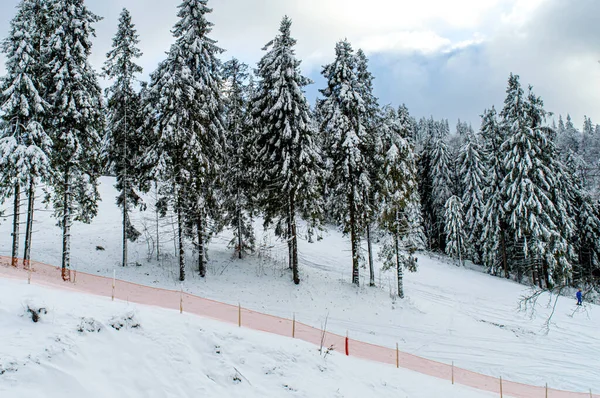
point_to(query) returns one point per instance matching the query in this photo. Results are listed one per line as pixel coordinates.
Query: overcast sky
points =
(449, 59)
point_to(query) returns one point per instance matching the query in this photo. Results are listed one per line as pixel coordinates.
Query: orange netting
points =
(43, 274)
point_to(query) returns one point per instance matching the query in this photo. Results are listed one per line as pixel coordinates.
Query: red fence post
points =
(347, 352)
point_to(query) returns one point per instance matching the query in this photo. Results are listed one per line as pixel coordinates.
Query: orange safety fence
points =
(47, 275)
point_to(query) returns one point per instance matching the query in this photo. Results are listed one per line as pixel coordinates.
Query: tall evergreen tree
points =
(123, 143)
(569, 138)
(454, 229)
(400, 199)
(472, 171)
(495, 230)
(586, 216)
(344, 115)
(75, 118)
(532, 186)
(24, 144)
(288, 163)
(185, 110)
(424, 163)
(590, 145)
(238, 190)
(372, 122)
(441, 177)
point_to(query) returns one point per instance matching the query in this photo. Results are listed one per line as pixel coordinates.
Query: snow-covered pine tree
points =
(123, 143)
(289, 166)
(454, 144)
(185, 109)
(454, 229)
(407, 124)
(471, 163)
(346, 142)
(569, 138)
(400, 207)
(24, 145)
(534, 191)
(495, 230)
(76, 117)
(424, 166)
(590, 151)
(372, 121)
(441, 175)
(238, 189)
(586, 216)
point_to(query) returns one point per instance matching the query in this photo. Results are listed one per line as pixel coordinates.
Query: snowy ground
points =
(75, 350)
(450, 314)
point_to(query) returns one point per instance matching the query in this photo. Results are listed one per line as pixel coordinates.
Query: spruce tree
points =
(585, 213)
(25, 146)
(185, 110)
(239, 189)
(400, 207)
(372, 122)
(76, 117)
(346, 143)
(424, 165)
(288, 163)
(123, 143)
(441, 178)
(472, 171)
(569, 138)
(590, 145)
(534, 192)
(454, 229)
(495, 229)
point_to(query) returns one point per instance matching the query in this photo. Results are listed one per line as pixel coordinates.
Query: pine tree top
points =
(120, 59)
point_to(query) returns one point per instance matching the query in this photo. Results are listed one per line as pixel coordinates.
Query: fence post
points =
(546, 390)
(74, 276)
(239, 315)
(113, 284)
(397, 356)
(29, 274)
(294, 326)
(591, 396)
(501, 395)
(347, 351)
(452, 372)
(181, 300)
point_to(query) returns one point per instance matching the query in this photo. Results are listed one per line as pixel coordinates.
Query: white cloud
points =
(423, 41)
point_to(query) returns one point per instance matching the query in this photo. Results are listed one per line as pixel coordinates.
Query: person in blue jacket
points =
(579, 297)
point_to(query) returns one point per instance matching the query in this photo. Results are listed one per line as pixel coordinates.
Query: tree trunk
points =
(534, 274)
(157, 226)
(29, 226)
(289, 239)
(354, 241)
(201, 262)
(66, 257)
(370, 248)
(399, 269)
(180, 240)
(294, 239)
(125, 227)
(16, 224)
(504, 258)
(547, 277)
(240, 240)
(125, 191)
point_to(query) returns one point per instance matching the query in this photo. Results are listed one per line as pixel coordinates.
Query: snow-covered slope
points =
(450, 314)
(75, 350)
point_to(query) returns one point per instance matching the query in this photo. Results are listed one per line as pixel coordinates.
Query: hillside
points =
(450, 313)
(84, 346)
